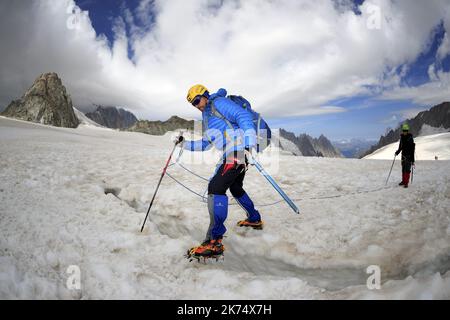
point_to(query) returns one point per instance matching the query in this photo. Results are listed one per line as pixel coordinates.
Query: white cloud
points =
(392, 119)
(444, 48)
(288, 57)
(431, 93)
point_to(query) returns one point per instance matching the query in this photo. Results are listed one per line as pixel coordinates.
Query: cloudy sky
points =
(338, 67)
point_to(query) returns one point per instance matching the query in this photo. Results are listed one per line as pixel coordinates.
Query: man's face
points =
(404, 132)
(202, 104)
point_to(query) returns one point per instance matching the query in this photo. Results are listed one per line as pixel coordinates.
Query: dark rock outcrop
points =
(326, 148)
(437, 117)
(305, 144)
(112, 117)
(311, 147)
(161, 127)
(46, 102)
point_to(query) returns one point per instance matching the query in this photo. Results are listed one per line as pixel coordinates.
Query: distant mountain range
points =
(118, 118)
(426, 122)
(112, 117)
(307, 146)
(302, 145)
(161, 127)
(353, 148)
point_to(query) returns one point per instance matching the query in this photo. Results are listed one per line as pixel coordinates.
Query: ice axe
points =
(272, 182)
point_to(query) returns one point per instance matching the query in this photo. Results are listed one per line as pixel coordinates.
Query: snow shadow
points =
(134, 204)
(330, 278)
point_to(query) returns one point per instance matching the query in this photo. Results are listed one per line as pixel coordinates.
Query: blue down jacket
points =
(218, 132)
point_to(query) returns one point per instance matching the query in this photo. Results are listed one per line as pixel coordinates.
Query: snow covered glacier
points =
(77, 197)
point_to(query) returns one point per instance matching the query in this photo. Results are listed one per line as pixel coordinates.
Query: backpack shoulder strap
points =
(205, 129)
(217, 114)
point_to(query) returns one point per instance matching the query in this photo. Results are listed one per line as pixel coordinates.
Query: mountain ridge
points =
(308, 146)
(161, 127)
(112, 117)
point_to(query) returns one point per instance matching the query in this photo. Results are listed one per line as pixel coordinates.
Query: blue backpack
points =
(263, 132)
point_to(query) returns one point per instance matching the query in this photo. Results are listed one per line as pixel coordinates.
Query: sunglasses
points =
(196, 100)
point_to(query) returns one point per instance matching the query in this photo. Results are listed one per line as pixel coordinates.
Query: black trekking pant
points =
(406, 164)
(228, 176)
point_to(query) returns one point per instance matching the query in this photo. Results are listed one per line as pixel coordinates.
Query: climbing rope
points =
(192, 172)
(204, 199)
(187, 188)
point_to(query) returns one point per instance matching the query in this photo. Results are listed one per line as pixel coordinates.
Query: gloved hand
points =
(249, 156)
(178, 139)
(397, 152)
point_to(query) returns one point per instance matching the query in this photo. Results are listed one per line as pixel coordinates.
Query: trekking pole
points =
(159, 182)
(274, 184)
(390, 170)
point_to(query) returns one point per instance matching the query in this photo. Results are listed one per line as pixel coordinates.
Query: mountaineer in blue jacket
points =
(219, 114)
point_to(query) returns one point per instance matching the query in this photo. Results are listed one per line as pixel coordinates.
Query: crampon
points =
(191, 257)
(259, 225)
(208, 250)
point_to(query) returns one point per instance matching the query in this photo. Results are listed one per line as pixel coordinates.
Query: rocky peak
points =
(112, 117)
(46, 102)
(310, 147)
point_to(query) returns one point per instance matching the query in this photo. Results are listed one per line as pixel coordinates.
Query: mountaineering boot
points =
(258, 225)
(212, 247)
(253, 217)
(208, 249)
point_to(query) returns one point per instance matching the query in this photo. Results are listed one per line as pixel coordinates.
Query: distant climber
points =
(407, 148)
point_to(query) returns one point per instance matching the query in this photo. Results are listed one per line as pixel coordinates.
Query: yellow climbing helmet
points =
(197, 90)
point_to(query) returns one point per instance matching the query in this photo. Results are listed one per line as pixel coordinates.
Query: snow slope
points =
(79, 196)
(289, 146)
(85, 120)
(427, 147)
